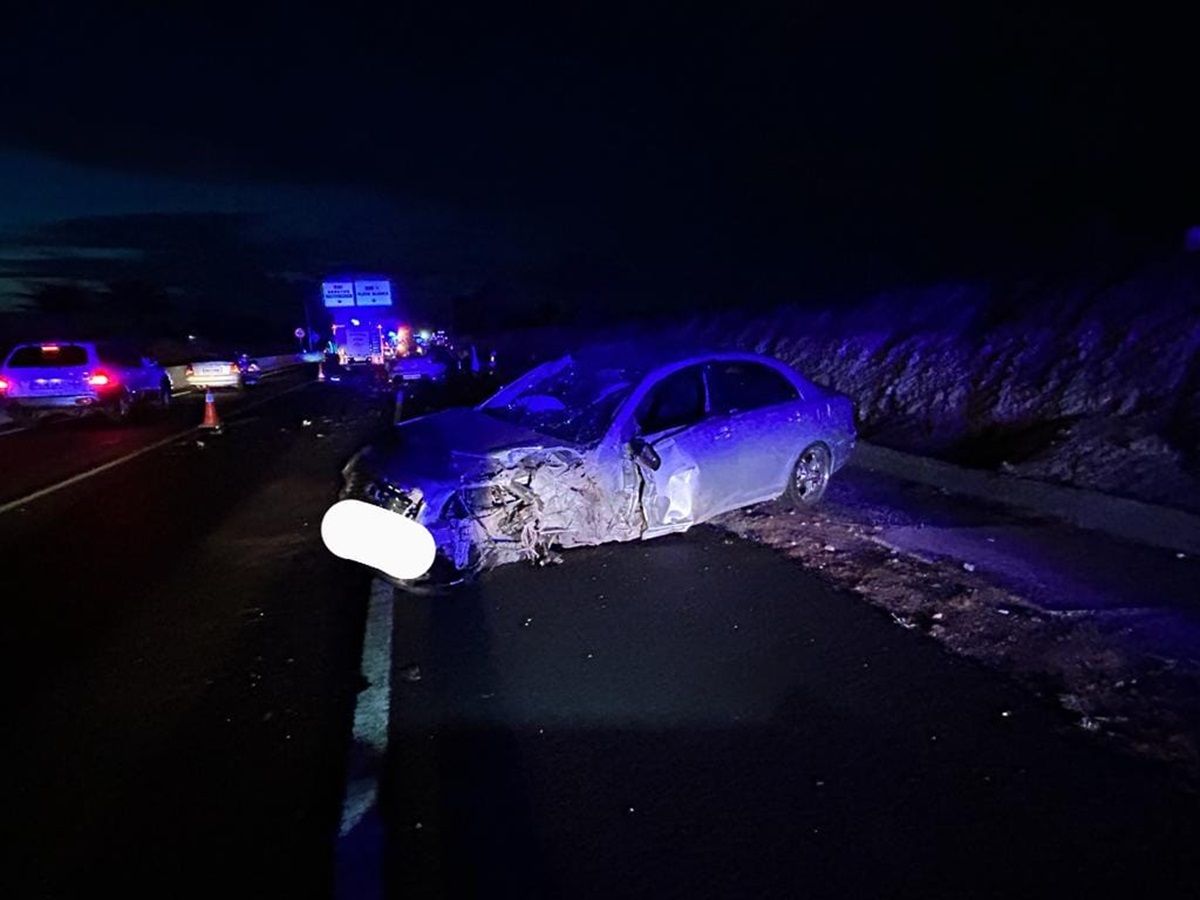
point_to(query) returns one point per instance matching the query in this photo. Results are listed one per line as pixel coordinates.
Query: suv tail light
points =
(3, 385)
(101, 379)
(189, 369)
(233, 368)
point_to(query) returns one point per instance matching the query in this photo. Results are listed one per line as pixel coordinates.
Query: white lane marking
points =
(121, 460)
(359, 853)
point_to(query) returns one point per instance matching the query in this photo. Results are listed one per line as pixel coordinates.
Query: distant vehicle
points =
(362, 321)
(237, 371)
(75, 378)
(431, 367)
(613, 444)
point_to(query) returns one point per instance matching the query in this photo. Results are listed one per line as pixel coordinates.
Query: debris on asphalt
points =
(411, 673)
(970, 567)
(306, 423)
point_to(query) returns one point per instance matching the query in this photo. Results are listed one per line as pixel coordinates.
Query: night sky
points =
(579, 153)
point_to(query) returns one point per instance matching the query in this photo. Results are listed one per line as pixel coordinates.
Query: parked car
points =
(75, 378)
(235, 371)
(614, 444)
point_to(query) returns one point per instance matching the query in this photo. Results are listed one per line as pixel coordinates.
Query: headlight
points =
(402, 501)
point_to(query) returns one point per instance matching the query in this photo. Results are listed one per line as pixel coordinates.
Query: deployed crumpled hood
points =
(445, 447)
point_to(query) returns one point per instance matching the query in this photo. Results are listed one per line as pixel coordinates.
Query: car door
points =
(754, 409)
(673, 419)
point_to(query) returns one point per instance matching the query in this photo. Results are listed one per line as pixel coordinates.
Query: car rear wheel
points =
(810, 476)
(121, 408)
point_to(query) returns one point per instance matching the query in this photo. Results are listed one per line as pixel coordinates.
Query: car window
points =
(675, 401)
(563, 399)
(740, 386)
(37, 356)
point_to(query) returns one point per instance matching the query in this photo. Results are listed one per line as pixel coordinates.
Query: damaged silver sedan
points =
(612, 444)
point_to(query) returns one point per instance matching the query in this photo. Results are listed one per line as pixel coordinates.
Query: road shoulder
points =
(963, 573)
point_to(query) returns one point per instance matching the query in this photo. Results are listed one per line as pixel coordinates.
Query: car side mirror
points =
(643, 451)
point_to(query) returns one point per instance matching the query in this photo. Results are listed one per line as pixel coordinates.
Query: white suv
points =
(76, 378)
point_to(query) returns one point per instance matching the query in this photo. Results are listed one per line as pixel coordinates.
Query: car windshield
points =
(568, 401)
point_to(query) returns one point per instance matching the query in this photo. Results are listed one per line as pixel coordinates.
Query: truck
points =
(362, 320)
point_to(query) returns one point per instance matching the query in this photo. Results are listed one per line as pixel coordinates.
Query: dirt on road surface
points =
(1124, 670)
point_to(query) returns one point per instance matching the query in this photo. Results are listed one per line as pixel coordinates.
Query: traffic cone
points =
(320, 371)
(211, 419)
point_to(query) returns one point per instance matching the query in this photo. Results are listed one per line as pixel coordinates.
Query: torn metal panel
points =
(546, 499)
(670, 491)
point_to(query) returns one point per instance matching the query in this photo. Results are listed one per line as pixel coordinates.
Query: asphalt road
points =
(179, 652)
(693, 716)
(698, 717)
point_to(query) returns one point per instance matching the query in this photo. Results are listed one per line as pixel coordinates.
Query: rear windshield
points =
(48, 355)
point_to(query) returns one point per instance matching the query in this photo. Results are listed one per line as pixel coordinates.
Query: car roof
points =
(639, 358)
(62, 343)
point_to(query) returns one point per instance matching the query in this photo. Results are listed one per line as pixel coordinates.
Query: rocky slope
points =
(1093, 382)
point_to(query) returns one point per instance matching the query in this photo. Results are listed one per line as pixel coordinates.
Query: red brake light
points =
(233, 368)
(189, 369)
(101, 379)
(3, 385)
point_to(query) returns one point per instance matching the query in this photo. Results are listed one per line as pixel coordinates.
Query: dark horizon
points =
(771, 155)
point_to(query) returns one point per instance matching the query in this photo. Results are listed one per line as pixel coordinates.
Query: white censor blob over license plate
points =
(375, 537)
